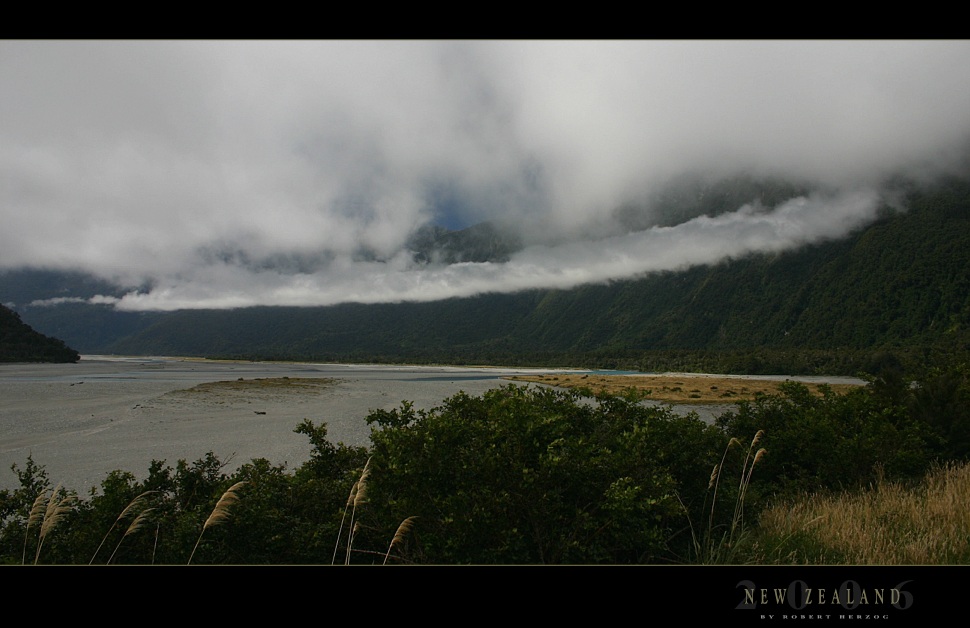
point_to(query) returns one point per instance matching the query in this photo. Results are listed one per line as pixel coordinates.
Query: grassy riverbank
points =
(680, 388)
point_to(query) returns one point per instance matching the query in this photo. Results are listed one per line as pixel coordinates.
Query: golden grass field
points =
(692, 389)
(889, 524)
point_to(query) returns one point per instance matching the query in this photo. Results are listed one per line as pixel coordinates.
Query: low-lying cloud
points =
(703, 240)
(231, 174)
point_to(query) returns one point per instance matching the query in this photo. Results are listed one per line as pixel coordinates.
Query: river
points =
(82, 421)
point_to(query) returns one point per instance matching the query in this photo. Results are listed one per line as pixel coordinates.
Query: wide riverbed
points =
(82, 421)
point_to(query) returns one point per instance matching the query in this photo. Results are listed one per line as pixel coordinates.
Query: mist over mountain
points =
(481, 198)
(900, 284)
(230, 174)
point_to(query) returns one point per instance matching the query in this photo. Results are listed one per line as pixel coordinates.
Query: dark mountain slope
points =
(63, 312)
(20, 343)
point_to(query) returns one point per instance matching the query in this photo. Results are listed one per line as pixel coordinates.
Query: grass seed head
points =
(221, 512)
(713, 476)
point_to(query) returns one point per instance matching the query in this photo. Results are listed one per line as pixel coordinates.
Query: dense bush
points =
(535, 475)
(895, 429)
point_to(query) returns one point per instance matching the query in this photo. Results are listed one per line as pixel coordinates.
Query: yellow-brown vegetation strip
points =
(253, 390)
(258, 384)
(673, 388)
(889, 524)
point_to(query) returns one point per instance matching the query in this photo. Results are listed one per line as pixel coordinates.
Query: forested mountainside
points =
(20, 343)
(900, 286)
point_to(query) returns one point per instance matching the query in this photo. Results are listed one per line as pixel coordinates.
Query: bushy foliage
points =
(832, 442)
(280, 517)
(535, 475)
(940, 400)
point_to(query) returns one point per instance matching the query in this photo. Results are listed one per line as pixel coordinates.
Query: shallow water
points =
(82, 421)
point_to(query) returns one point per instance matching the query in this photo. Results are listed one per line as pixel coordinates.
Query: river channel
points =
(82, 421)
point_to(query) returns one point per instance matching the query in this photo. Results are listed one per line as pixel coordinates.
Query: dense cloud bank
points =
(227, 174)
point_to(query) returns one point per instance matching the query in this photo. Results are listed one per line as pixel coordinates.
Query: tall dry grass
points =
(720, 543)
(138, 504)
(889, 524)
(220, 513)
(357, 496)
(49, 509)
(356, 499)
(140, 521)
(34, 518)
(399, 536)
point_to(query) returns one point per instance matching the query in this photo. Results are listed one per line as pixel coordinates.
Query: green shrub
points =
(830, 442)
(536, 475)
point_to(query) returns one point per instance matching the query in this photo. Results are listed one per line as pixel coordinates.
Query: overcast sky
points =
(228, 174)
